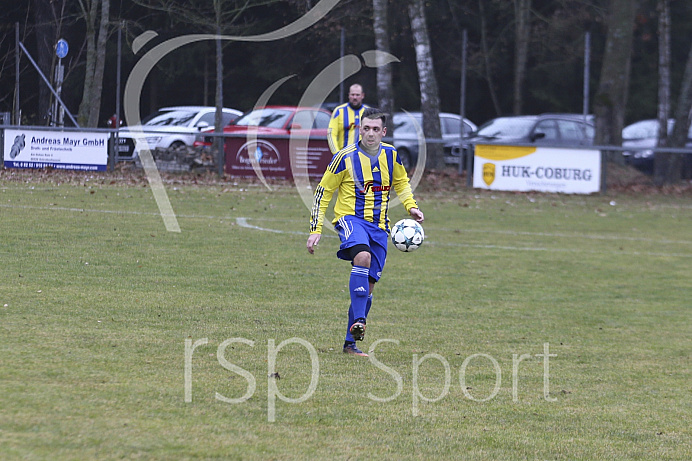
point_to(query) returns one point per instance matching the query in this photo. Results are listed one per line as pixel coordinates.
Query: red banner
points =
(273, 156)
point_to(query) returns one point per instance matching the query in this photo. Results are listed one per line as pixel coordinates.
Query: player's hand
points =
(416, 214)
(313, 240)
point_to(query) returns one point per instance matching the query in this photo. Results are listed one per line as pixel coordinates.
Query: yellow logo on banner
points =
(488, 173)
(497, 152)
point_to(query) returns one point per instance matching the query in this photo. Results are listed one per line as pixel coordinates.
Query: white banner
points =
(67, 150)
(545, 169)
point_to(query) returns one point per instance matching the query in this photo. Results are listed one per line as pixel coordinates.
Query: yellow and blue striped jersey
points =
(364, 184)
(344, 127)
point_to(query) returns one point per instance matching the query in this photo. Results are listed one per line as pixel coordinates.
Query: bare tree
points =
(96, 15)
(47, 21)
(216, 17)
(430, 99)
(611, 98)
(522, 33)
(385, 91)
(486, 59)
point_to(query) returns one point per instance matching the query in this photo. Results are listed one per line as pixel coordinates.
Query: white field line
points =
(562, 235)
(244, 222)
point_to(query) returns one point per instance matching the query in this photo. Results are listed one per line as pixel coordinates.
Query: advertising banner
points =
(544, 169)
(66, 150)
(274, 159)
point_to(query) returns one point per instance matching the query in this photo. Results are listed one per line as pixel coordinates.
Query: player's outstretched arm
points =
(416, 214)
(313, 240)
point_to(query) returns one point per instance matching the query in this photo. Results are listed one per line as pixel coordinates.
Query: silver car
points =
(406, 126)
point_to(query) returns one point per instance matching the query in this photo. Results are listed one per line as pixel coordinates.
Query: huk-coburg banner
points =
(545, 169)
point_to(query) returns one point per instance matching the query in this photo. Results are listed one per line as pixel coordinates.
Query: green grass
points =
(97, 301)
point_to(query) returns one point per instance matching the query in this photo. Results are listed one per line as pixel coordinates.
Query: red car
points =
(277, 121)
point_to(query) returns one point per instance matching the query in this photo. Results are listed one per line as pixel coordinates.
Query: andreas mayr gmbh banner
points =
(68, 150)
(530, 168)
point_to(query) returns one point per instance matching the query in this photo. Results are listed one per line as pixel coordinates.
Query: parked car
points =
(173, 127)
(277, 120)
(405, 136)
(540, 130)
(330, 106)
(643, 135)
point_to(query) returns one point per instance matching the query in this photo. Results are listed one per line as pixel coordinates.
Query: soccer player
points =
(344, 125)
(363, 174)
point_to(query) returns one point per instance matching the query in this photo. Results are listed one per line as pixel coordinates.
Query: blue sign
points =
(61, 48)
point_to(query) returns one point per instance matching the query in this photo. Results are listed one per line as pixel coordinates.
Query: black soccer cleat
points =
(358, 329)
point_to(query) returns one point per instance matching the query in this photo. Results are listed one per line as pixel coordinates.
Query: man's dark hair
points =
(374, 112)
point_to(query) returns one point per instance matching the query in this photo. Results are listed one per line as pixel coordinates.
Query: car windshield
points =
(506, 127)
(170, 118)
(271, 118)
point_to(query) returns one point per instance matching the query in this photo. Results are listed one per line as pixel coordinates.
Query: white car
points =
(172, 127)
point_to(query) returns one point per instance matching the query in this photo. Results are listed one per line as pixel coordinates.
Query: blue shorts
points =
(356, 231)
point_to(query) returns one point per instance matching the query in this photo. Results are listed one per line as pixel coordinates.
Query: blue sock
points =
(352, 319)
(359, 287)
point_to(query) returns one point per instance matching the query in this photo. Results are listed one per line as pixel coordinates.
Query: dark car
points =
(406, 126)
(540, 130)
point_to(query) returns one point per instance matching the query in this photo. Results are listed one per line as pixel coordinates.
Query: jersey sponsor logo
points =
(369, 185)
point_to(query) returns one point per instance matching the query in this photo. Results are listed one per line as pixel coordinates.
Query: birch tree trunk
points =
(385, 92)
(218, 125)
(667, 167)
(670, 170)
(522, 32)
(611, 98)
(430, 99)
(663, 72)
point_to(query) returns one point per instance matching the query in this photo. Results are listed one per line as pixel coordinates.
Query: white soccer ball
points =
(407, 235)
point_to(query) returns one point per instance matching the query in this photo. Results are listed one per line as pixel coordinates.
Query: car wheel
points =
(176, 145)
(405, 157)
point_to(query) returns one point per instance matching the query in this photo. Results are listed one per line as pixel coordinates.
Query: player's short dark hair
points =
(374, 112)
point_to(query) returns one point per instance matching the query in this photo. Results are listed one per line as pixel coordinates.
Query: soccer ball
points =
(407, 235)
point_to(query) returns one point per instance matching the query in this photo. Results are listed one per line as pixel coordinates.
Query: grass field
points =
(528, 326)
